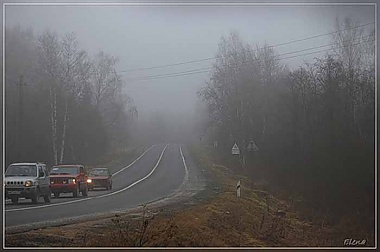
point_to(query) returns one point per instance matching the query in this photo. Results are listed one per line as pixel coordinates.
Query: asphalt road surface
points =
(158, 172)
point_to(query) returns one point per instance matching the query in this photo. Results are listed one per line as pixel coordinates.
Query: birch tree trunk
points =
(65, 119)
(53, 120)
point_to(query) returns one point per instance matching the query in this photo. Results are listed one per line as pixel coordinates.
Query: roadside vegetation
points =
(313, 126)
(62, 104)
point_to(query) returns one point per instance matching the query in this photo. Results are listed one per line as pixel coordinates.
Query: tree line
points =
(61, 105)
(314, 125)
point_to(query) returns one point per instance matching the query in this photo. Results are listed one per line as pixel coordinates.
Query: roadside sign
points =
(252, 146)
(238, 189)
(235, 150)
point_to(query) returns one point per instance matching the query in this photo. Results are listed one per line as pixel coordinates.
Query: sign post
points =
(215, 144)
(240, 209)
(236, 151)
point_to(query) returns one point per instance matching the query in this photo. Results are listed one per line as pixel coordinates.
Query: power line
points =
(165, 74)
(170, 76)
(197, 71)
(310, 48)
(169, 65)
(324, 34)
(272, 46)
(204, 70)
(323, 50)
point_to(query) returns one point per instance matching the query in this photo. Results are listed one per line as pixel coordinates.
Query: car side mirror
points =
(42, 174)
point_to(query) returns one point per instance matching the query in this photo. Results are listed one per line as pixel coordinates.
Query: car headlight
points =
(89, 180)
(72, 180)
(28, 183)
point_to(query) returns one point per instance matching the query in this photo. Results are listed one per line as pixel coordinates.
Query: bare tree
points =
(354, 47)
(58, 78)
(106, 82)
(75, 76)
(49, 59)
(68, 70)
(241, 89)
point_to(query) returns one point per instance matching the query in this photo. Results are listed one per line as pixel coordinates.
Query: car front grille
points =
(59, 180)
(15, 182)
(99, 182)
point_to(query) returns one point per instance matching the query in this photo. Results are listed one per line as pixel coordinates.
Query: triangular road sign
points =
(252, 146)
(235, 150)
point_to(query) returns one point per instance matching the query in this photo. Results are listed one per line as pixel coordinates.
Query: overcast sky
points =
(146, 36)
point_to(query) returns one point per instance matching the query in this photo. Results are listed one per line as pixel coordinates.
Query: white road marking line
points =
(184, 163)
(133, 161)
(138, 181)
(89, 198)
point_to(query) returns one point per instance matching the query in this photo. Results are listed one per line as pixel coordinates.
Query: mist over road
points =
(156, 174)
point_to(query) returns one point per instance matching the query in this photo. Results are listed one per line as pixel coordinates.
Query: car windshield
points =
(21, 170)
(64, 170)
(98, 172)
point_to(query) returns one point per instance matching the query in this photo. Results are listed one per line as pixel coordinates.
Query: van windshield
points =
(63, 170)
(21, 170)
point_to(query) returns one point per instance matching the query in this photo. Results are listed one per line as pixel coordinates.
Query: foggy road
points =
(157, 173)
(276, 102)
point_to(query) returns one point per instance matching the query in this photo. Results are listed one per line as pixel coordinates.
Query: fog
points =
(176, 88)
(143, 36)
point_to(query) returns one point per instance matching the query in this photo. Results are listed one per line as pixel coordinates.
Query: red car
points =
(68, 179)
(99, 178)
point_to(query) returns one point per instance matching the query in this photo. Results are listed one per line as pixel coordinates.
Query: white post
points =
(240, 211)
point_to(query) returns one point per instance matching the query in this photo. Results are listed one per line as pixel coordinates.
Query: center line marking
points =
(138, 181)
(133, 161)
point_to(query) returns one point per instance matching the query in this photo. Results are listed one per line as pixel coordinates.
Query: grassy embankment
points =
(215, 217)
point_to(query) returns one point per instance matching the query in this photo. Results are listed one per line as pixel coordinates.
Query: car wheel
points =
(76, 192)
(56, 194)
(47, 197)
(14, 200)
(35, 198)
